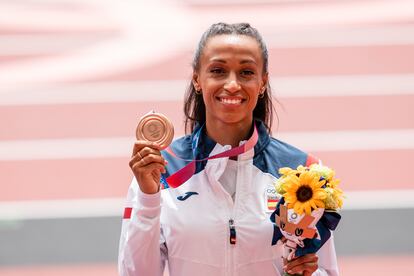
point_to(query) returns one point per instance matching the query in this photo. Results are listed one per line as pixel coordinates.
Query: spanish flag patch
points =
(271, 204)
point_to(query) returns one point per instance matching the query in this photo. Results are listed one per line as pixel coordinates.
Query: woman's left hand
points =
(304, 265)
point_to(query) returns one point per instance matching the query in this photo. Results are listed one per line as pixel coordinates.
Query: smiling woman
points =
(230, 79)
(218, 221)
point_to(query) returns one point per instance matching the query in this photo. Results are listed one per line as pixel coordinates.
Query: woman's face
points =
(230, 77)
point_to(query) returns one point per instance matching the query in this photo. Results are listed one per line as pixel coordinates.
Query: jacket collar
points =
(202, 145)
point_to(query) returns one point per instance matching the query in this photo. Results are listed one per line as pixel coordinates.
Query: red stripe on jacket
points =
(127, 212)
(311, 160)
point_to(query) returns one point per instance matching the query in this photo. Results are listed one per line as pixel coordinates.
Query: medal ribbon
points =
(182, 175)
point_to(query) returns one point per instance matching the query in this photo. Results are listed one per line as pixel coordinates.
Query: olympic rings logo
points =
(271, 191)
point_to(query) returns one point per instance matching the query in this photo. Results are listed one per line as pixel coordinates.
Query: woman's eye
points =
(247, 72)
(217, 71)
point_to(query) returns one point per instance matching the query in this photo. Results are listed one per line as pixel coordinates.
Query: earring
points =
(262, 92)
(198, 92)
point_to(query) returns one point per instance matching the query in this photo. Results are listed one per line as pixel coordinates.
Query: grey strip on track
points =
(59, 241)
(375, 232)
(95, 240)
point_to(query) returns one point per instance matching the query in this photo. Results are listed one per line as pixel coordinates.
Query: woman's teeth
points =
(230, 101)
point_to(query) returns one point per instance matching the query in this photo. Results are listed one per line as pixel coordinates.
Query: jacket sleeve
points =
(328, 265)
(142, 249)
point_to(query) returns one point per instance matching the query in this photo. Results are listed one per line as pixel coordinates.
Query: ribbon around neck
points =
(182, 175)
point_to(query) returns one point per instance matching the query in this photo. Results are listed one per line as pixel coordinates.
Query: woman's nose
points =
(232, 85)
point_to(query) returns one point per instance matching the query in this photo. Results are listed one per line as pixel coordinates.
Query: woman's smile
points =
(232, 101)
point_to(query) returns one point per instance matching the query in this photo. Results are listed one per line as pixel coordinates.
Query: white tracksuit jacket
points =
(190, 226)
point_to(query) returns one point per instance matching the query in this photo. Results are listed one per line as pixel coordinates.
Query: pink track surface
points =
(119, 119)
(288, 62)
(110, 177)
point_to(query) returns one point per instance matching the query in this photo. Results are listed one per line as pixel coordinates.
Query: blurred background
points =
(75, 76)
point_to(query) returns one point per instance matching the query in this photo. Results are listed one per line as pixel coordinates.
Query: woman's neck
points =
(228, 134)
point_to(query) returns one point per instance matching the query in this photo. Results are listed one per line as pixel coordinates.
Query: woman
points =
(216, 223)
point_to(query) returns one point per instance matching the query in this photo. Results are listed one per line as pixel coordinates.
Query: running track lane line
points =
(113, 207)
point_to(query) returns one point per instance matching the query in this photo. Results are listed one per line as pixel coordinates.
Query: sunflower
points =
(304, 192)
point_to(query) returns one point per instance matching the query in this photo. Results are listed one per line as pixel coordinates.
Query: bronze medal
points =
(155, 127)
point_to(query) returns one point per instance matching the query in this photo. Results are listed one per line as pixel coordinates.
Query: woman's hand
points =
(304, 265)
(147, 164)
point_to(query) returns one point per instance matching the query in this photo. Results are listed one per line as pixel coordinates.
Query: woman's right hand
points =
(147, 164)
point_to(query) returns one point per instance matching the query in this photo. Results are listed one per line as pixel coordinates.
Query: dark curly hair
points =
(194, 108)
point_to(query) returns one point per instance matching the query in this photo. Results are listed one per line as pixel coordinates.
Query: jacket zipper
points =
(232, 232)
(232, 243)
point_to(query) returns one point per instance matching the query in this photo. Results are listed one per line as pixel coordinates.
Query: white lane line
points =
(350, 140)
(121, 146)
(249, 3)
(322, 14)
(173, 90)
(343, 85)
(340, 37)
(68, 208)
(82, 16)
(65, 148)
(46, 44)
(379, 199)
(106, 207)
(49, 44)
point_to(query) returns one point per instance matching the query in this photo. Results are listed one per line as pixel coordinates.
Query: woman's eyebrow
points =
(218, 60)
(244, 61)
(248, 61)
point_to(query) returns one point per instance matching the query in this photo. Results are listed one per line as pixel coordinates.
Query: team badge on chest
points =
(272, 198)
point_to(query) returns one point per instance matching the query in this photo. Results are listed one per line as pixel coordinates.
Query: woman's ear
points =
(265, 80)
(196, 84)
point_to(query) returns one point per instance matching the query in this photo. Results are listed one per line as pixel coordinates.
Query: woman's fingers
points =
(305, 265)
(304, 259)
(141, 144)
(155, 168)
(139, 161)
(304, 269)
(147, 150)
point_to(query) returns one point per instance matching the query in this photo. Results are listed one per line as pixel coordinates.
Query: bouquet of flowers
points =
(307, 210)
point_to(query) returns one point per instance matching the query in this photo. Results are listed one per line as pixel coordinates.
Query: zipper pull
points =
(232, 232)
